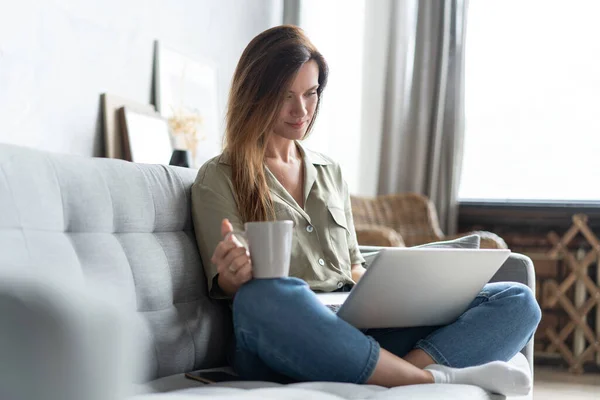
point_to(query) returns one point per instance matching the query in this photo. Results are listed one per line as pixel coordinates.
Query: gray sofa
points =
(125, 230)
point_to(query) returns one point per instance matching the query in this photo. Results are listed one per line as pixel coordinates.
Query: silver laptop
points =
(406, 287)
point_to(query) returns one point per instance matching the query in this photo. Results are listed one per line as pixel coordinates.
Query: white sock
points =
(497, 377)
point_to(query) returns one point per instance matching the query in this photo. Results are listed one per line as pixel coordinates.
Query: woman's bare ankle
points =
(392, 371)
(419, 358)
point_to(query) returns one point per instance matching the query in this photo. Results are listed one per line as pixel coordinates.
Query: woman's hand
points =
(357, 272)
(232, 260)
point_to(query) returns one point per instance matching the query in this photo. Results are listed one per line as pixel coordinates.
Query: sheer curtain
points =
(423, 124)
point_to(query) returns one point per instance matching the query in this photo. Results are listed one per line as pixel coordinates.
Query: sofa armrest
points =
(519, 268)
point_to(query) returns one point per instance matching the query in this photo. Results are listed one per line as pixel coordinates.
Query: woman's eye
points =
(311, 93)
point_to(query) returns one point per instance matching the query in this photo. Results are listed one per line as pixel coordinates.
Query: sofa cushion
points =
(126, 227)
(176, 386)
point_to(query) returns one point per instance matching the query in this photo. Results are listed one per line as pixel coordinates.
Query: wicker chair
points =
(406, 219)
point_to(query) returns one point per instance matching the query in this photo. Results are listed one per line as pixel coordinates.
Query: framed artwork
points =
(146, 137)
(186, 95)
(113, 138)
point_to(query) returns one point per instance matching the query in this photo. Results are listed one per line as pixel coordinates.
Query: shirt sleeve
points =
(209, 208)
(355, 255)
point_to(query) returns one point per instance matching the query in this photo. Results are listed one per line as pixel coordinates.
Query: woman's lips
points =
(296, 126)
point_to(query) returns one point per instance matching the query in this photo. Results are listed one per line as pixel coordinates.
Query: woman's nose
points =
(299, 109)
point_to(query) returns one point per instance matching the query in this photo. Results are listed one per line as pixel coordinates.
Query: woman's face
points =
(299, 103)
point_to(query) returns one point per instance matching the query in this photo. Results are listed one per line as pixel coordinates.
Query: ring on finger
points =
(232, 269)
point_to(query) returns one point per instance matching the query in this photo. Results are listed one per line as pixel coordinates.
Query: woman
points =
(282, 332)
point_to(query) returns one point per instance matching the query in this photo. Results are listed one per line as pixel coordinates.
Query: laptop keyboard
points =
(333, 307)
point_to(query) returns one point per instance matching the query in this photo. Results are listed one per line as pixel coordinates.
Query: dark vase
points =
(181, 158)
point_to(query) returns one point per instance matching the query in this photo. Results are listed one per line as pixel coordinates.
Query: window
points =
(532, 101)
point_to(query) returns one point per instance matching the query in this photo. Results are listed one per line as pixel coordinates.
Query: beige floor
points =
(553, 385)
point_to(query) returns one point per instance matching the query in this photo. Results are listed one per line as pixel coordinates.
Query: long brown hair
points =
(266, 69)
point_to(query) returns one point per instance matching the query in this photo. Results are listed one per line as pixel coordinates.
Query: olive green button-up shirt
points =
(324, 242)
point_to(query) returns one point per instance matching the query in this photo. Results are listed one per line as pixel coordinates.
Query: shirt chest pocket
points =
(338, 230)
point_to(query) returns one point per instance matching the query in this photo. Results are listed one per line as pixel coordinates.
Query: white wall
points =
(57, 56)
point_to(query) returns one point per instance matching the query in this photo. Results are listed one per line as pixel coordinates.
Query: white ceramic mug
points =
(270, 246)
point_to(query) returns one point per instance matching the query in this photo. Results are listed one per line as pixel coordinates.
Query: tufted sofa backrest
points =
(126, 227)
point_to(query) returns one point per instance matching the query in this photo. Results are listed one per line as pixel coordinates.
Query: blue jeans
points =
(284, 334)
